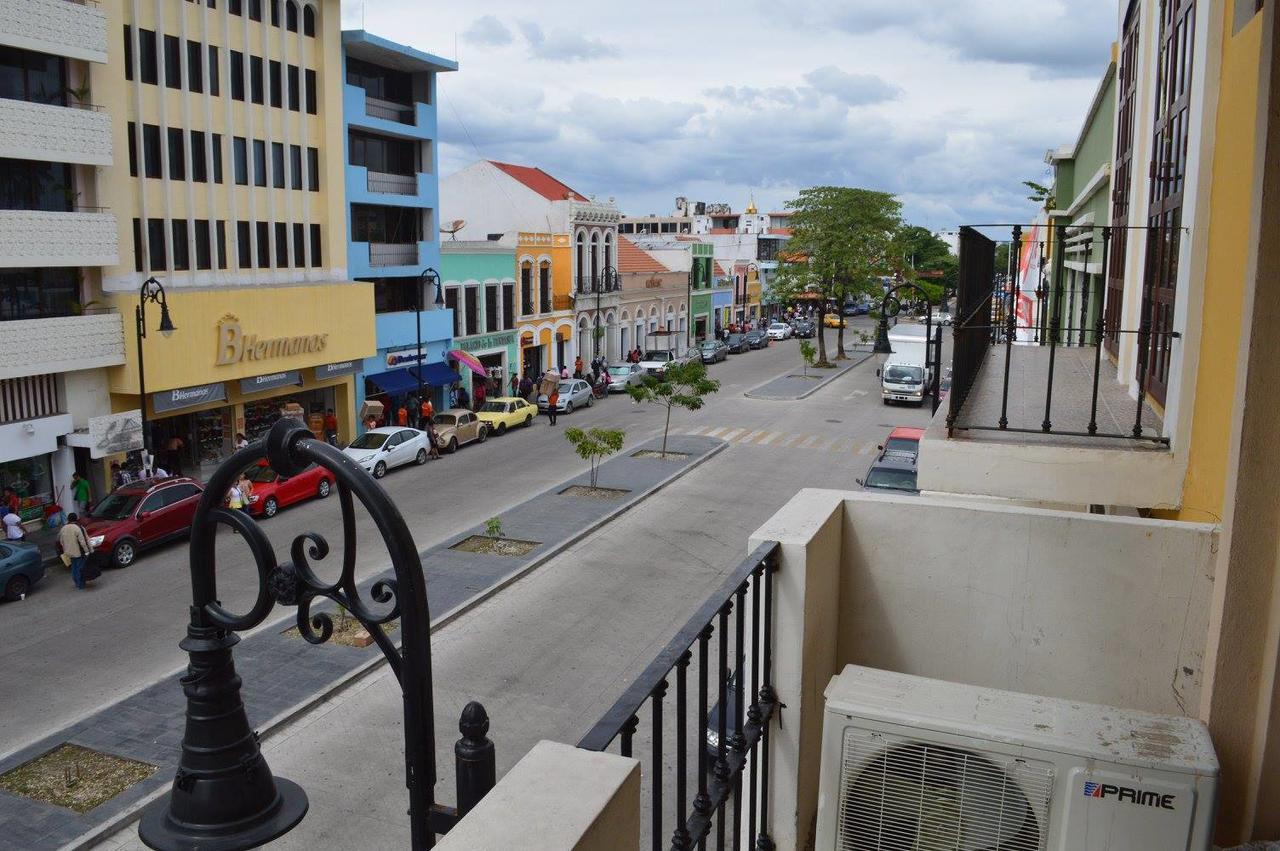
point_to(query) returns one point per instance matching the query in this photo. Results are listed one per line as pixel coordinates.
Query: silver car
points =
(574, 393)
(624, 375)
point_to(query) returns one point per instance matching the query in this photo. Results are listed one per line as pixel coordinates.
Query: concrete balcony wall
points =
(1072, 605)
(359, 264)
(426, 191)
(73, 30)
(400, 329)
(356, 113)
(60, 134)
(28, 438)
(39, 238)
(62, 344)
(557, 798)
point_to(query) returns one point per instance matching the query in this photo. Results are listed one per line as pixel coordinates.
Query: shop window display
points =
(259, 417)
(32, 481)
(211, 436)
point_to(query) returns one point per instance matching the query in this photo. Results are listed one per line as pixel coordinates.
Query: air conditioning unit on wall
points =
(914, 764)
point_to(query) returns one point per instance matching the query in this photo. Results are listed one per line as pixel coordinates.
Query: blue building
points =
(392, 184)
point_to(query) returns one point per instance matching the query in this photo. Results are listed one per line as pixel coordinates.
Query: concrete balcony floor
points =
(1071, 402)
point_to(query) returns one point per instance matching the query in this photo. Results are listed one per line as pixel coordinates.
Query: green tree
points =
(594, 445)
(1041, 194)
(807, 353)
(917, 250)
(682, 385)
(840, 243)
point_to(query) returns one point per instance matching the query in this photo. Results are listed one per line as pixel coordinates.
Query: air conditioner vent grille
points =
(905, 795)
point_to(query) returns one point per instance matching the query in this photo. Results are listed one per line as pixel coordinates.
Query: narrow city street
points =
(92, 648)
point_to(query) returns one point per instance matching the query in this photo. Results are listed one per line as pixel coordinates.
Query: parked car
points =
(21, 567)
(504, 412)
(892, 472)
(713, 351)
(779, 331)
(804, 329)
(458, 427)
(138, 516)
(757, 339)
(831, 320)
(655, 361)
(903, 441)
(624, 375)
(574, 393)
(272, 492)
(381, 449)
(737, 344)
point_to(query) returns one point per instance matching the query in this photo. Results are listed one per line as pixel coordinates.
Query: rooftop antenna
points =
(453, 227)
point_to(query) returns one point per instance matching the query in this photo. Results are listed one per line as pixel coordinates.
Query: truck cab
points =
(907, 373)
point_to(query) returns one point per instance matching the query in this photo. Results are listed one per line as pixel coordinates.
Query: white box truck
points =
(907, 374)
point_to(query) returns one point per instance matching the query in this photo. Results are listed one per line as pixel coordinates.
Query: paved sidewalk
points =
(797, 385)
(285, 676)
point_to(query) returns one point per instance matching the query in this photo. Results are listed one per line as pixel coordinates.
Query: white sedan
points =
(779, 331)
(381, 449)
(624, 375)
(574, 393)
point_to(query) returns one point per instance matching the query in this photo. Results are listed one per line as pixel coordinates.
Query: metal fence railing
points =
(727, 649)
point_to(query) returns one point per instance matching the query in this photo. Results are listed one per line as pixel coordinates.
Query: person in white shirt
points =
(13, 530)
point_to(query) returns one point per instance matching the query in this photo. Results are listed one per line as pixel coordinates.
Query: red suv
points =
(140, 515)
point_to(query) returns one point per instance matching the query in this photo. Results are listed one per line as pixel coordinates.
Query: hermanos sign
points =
(234, 346)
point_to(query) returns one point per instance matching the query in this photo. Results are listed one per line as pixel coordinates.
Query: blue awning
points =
(395, 381)
(439, 375)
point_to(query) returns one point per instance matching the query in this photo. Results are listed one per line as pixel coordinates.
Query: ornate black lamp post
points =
(890, 305)
(151, 291)
(429, 276)
(224, 795)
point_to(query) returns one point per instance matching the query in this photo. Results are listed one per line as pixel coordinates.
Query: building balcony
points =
(401, 328)
(42, 238)
(50, 133)
(62, 28)
(383, 254)
(1026, 600)
(405, 121)
(419, 190)
(61, 344)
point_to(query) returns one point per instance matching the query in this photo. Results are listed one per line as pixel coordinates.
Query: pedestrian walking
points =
(235, 497)
(75, 548)
(79, 493)
(482, 391)
(526, 387)
(430, 428)
(173, 447)
(463, 398)
(564, 372)
(515, 385)
(553, 399)
(120, 476)
(425, 412)
(245, 486)
(577, 367)
(402, 415)
(331, 427)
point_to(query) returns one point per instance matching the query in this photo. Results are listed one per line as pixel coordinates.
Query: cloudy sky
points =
(947, 103)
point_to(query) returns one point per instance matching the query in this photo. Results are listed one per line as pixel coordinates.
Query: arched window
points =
(609, 262)
(595, 260)
(580, 262)
(291, 16)
(309, 21)
(544, 286)
(275, 13)
(527, 305)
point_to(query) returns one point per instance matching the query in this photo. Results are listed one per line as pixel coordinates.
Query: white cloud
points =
(488, 30)
(562, 45)
(851, 89)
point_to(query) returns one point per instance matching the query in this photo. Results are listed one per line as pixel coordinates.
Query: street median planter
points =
(485, 545)
(589, 492)
(661, 456)
(347, 631)
(74, 777)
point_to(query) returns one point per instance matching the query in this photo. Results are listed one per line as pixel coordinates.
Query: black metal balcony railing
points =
(740, 680)
(598, 283)
(991, 311)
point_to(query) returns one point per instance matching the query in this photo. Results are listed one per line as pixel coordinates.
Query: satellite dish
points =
(453, 227)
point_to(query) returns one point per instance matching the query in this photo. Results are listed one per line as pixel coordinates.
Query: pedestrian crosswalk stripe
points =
(731, 435)
(767, 438)
(715, 432)
(750, 436)
(808, 441)
(786, 440)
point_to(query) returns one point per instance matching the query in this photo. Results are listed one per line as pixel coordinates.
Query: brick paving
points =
(283, 675)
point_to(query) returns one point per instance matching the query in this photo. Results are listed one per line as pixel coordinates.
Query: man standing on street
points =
(552, 401)
(330, 427)
(79, 493)
(75, 546)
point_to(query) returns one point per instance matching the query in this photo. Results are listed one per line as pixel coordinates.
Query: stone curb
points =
(750, 394)
(369, 666)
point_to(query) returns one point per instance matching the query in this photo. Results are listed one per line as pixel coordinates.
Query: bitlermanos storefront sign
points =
(235, 346)
(488, 341)
(259, 383)
(188, 397)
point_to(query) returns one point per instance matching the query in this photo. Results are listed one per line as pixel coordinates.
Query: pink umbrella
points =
(470, 361)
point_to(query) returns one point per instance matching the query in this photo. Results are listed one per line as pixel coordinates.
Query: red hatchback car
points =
(140, 515)
(272, 492)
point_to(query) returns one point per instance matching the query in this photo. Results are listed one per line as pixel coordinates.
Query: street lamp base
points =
(158, 829)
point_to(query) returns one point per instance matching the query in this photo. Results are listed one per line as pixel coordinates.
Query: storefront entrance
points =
(531, 360)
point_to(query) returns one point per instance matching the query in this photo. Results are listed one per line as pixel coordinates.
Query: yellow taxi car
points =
(504, 412)
(833, 320)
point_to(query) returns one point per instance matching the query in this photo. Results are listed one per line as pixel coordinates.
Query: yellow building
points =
(544, 272)
(231, 197)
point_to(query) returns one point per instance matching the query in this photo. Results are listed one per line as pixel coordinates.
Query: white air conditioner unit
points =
(913, 764)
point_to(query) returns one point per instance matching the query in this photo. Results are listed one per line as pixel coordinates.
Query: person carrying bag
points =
(75, 552)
